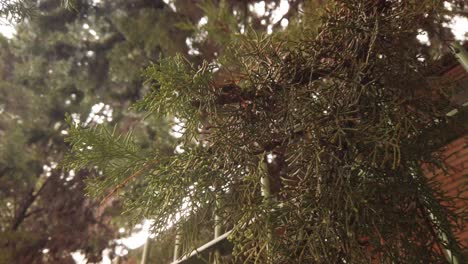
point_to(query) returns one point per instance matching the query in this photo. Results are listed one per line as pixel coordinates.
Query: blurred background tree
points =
(85, 60)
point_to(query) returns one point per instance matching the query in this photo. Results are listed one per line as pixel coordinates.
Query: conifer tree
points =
(336, 114)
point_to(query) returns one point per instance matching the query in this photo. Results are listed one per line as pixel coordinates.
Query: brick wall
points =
(455, 181)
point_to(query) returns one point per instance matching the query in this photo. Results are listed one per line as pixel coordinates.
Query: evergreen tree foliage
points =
(337, 113)
(11, 10)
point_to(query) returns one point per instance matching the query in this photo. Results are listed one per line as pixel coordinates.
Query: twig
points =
(126, 181)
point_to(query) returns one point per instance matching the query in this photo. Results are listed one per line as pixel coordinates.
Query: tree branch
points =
(22, 214)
